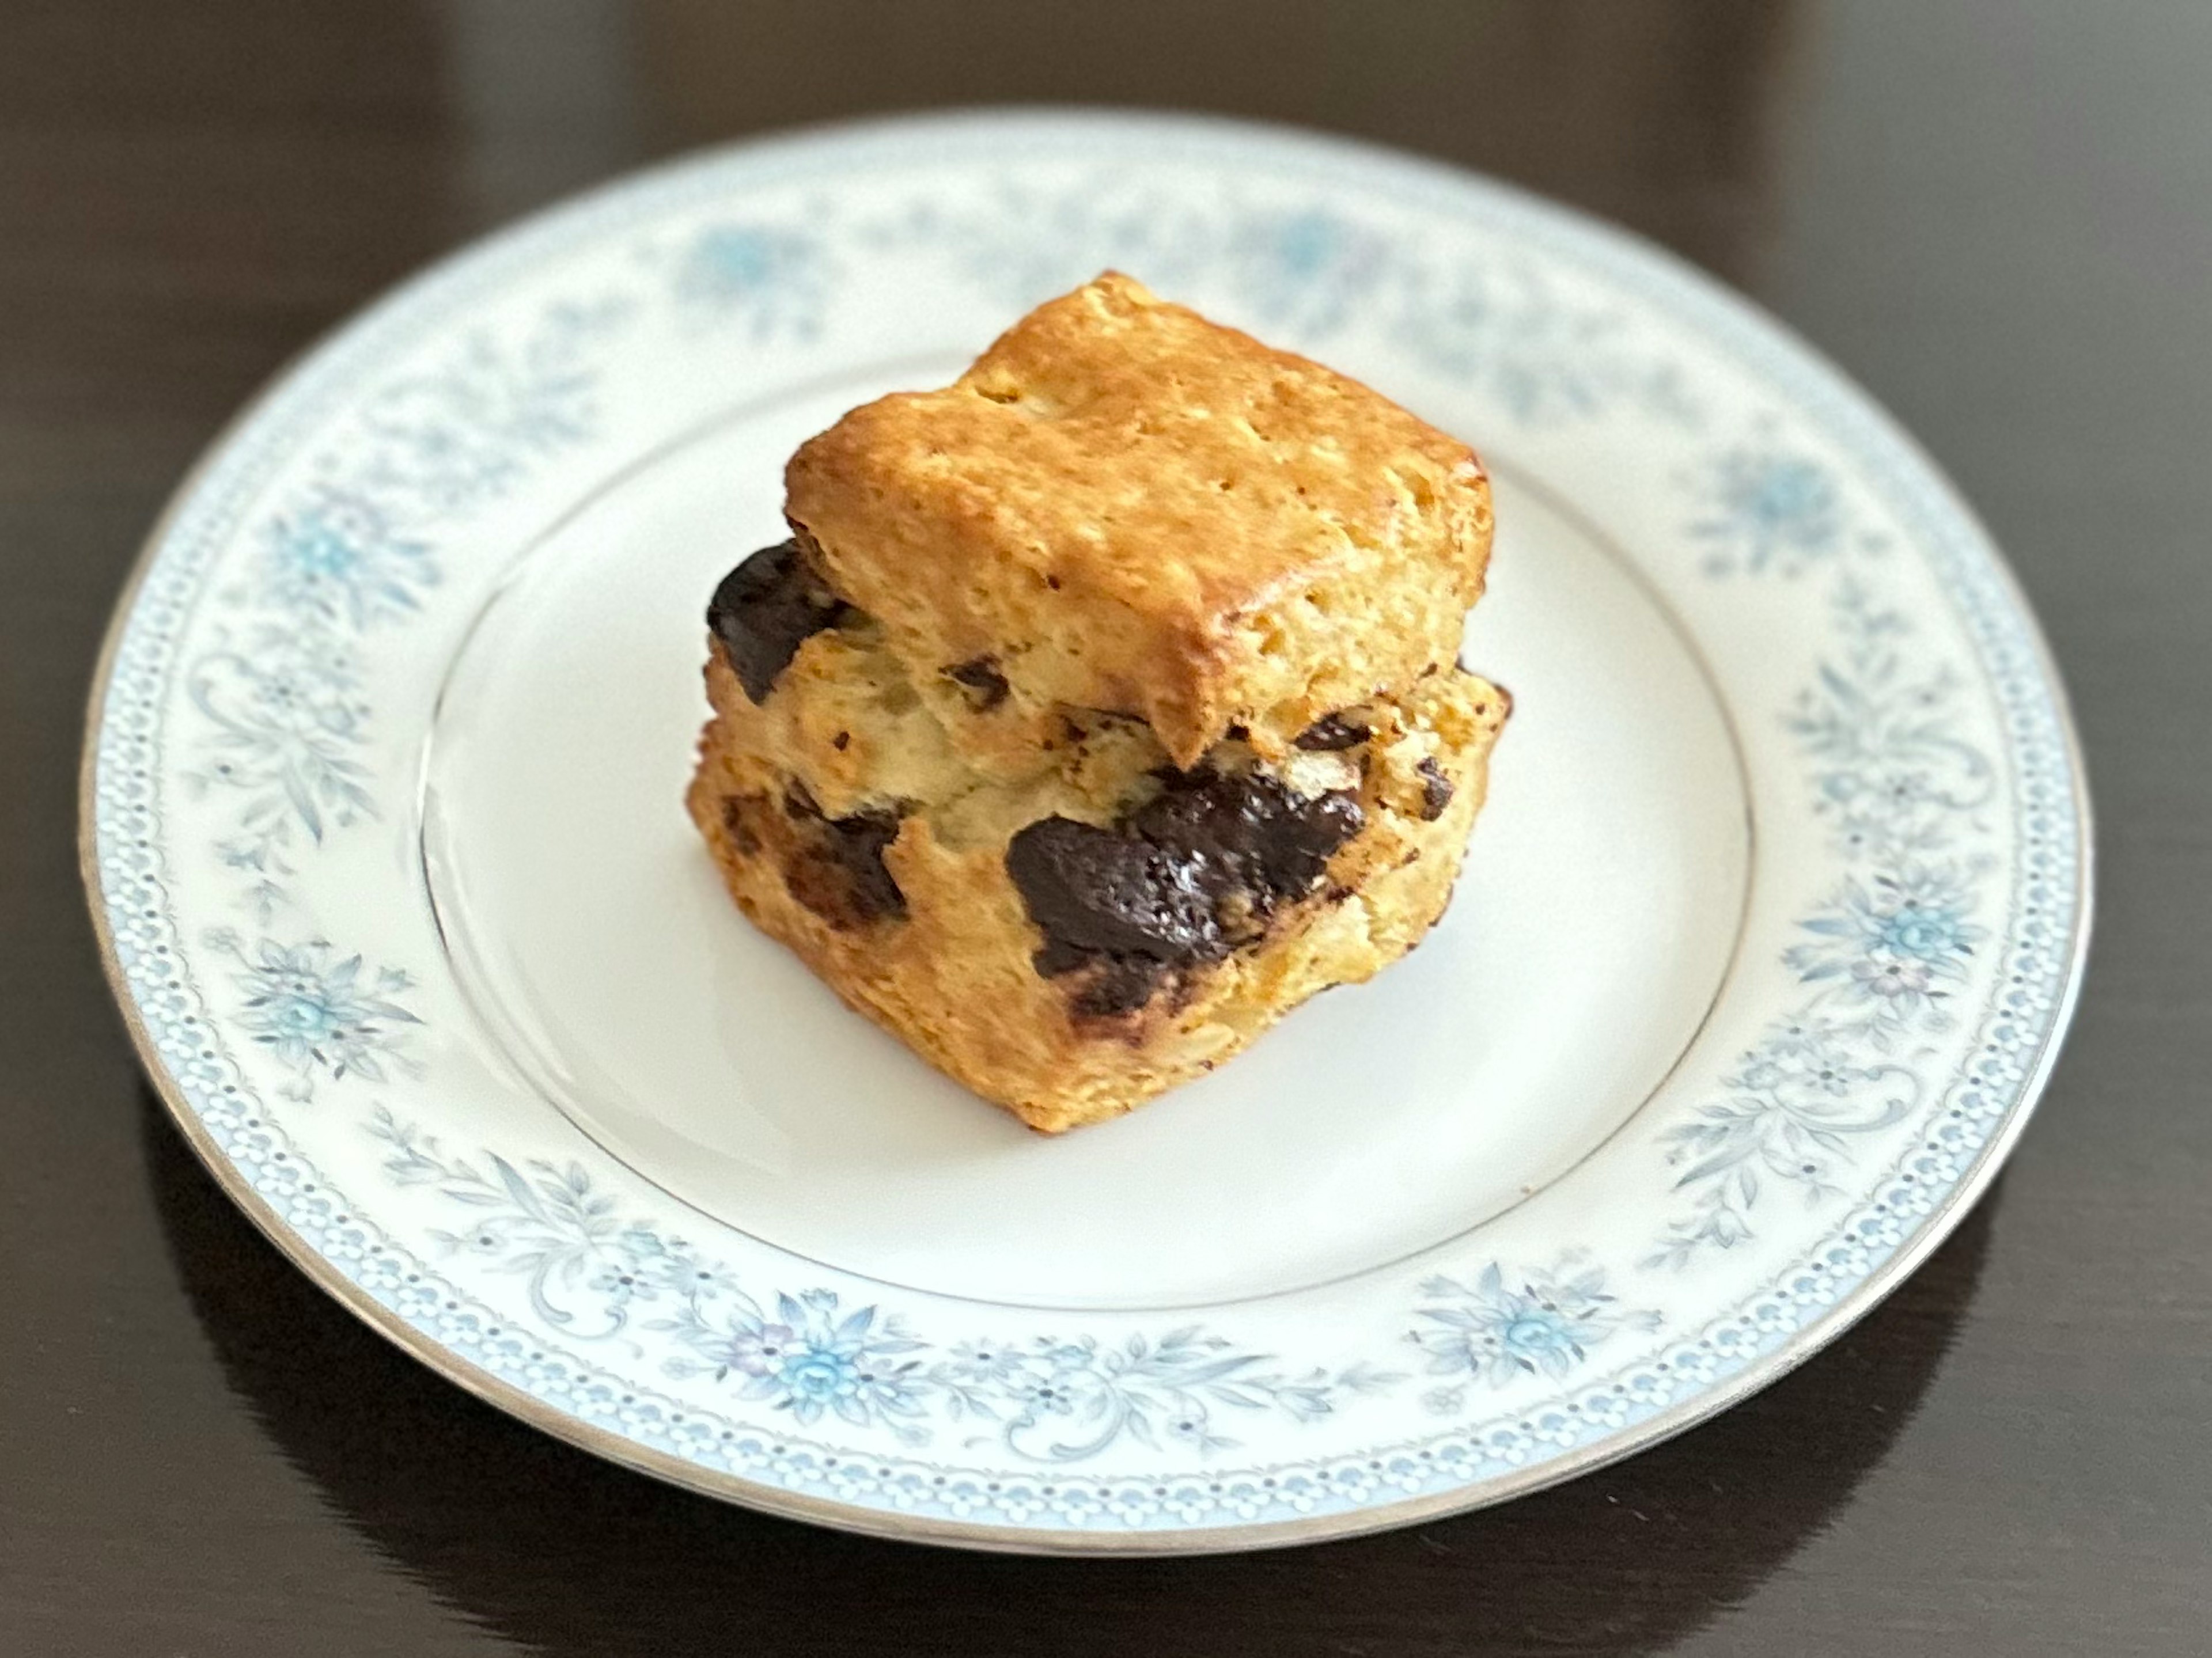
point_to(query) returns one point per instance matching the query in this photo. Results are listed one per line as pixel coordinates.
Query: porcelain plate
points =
(1762, 952)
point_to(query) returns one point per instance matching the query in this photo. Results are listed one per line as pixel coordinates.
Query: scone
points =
(1103, 706)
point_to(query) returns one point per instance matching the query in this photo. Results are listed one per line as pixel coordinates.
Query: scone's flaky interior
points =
(846, 825)
(1103, 707)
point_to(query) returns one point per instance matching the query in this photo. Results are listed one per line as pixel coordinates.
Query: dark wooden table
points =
(1998, 214)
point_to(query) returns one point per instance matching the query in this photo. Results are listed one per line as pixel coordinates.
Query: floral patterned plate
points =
(1760, 958)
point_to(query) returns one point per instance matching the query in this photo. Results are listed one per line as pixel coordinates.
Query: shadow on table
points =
(565, 1554)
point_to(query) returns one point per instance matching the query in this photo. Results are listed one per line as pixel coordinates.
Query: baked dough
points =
(1124, 506)
(1104, 706)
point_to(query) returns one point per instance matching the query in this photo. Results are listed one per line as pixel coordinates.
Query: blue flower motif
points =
(316, 1014)
(811, 1357)
(1052, 1394)
(774, 279)
(687, 1274)
(1303, 270)
(622, 1281)
(986, 1362)
(1766, 506)
(1495, 1332)
(1896, 946)
(755, 1348)
(1029, 245)
(1506, 331)
(453, 436)
(335, 558)
(1931, 934)
(816, 1376)
(1532, 1330)
(287, 717)
(1546, 357)
(1301, 245)
(1056, 1401)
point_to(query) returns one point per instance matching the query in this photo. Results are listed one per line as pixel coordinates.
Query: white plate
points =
(1760, 956)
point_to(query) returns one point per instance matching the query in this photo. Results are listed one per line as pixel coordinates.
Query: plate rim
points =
(504, 241)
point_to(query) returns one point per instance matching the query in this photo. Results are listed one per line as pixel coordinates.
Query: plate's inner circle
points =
(1592, 927)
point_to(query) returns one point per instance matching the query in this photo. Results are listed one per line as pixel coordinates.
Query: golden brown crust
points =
(1122, 505)
(951, 971)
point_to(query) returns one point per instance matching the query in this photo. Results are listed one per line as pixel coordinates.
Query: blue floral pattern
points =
(1545, 361)
(810, 1354)
(287, 726)
(1501, 326)
(336, 560)
(1768, 508)
(1883, 955)
(1301, 272)
(1496, 1331)
(1953, 863)
(281, 691)
(1029, 244)
(284, 711)
(1890, 772)
(452, 439)
(319, 1014)
(1793, 1106)
(773, 279)
(1888, 952)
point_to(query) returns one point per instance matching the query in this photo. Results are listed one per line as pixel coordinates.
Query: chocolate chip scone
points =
(1104, 705)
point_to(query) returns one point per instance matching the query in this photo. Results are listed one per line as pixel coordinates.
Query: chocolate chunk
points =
(737, 826)
(765, 609)
(1118, 985)
(1436, 791)
(839, 871)
(1332, 733)
(860, 842)
(1099, 892)
(982, 676)
(1249, 832)
(1180, 882)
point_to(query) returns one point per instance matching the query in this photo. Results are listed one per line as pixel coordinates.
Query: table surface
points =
(1997, 215)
